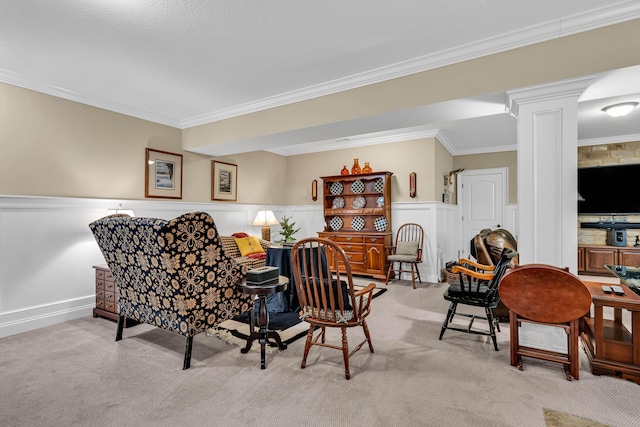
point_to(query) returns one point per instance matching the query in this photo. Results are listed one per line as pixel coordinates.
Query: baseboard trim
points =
(28, 319)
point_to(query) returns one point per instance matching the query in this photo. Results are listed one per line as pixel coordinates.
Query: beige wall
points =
(581, 54)
(425, 156)
(54, 147)
(508, 159)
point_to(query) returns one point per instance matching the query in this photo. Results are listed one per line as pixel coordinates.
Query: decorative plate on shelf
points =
(357, 223)
(380, 201)
(338, 203)
(336, 223)
(357, 186)
(336, 188)
(379, 185)
(359, 202)
(380, 223)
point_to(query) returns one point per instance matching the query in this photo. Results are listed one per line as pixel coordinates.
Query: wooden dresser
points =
(357, 214)
(106, 294)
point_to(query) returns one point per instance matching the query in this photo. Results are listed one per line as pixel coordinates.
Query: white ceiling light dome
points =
(619, 110)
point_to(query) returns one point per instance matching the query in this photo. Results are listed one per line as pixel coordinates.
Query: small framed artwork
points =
(163, 174)
(224, 180)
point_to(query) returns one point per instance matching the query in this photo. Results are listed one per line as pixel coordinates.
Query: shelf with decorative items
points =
(357, 214)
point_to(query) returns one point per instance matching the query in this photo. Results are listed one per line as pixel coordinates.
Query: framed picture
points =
(163, 174)
(224, 179)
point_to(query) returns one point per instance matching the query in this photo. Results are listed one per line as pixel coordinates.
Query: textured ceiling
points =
(188, 62)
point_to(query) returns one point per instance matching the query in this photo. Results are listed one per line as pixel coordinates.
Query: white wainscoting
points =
(47, 250)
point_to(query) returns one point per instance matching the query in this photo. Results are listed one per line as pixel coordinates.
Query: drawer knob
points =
(349, 238)
(348, 247)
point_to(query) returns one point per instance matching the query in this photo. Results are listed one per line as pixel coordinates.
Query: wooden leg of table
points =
(598, 321)
(514, 343)
(635, 336)
(574, 362)
(617, 315)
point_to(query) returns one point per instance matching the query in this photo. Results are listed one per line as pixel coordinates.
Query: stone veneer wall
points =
(607, 155)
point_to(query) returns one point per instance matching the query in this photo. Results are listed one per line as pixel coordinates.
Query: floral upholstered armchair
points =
(171, 274)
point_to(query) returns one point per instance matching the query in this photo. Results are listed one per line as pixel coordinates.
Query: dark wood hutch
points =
(357, 215)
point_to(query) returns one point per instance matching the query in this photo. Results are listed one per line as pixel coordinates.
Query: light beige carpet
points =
(75, 374)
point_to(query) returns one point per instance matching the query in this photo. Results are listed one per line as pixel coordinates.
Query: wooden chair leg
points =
(389, 273)
(307, 346)
(121, 320)
(448, 318)
(345, 353)
(366, 334)
(413, 276)
(492, 327)
(187, 353)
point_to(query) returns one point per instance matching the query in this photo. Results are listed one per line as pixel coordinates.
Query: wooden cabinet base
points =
(609, 367)
(592, 258)
(113, 316)
(612, 349)
(107, 296)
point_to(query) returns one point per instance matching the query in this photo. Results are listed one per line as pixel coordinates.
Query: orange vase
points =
(367, 168)
(344, 170)
(355, 169)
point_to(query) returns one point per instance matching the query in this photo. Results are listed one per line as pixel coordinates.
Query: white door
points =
(482, 198)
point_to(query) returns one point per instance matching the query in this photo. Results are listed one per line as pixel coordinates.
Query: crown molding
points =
(344, 143)
(605, 16)
(608, 140)
(82, 98)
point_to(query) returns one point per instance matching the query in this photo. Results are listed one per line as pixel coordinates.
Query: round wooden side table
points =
(263, 316)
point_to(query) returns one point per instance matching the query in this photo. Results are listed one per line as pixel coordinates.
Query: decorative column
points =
(547, 186)
(547, 172)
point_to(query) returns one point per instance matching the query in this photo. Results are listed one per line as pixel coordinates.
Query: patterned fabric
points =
(231, 248)
(172, 274)
(342, 317)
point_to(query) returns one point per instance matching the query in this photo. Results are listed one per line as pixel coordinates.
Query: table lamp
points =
(265, 219)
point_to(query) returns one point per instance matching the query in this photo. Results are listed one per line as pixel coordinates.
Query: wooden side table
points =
(263, 316)
(545, 295)
(611, 348)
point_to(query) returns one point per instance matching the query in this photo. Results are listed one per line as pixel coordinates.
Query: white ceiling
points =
(186, 62)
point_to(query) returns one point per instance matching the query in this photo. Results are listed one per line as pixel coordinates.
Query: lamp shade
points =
(265, 218)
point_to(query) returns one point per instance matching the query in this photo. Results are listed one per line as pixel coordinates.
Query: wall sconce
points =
(412, 184)
(119, 210)
(265, 219)
(619, 110)
(314, 190)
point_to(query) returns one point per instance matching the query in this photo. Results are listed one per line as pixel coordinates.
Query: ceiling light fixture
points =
(619, 110)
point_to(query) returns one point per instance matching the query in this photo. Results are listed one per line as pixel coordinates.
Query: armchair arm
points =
(477, 265)
(368, 291)
(477, 274)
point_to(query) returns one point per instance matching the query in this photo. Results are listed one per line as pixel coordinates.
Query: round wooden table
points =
(547, 295)
(263, 316)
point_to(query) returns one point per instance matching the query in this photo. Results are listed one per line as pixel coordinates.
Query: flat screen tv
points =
(609, 190)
